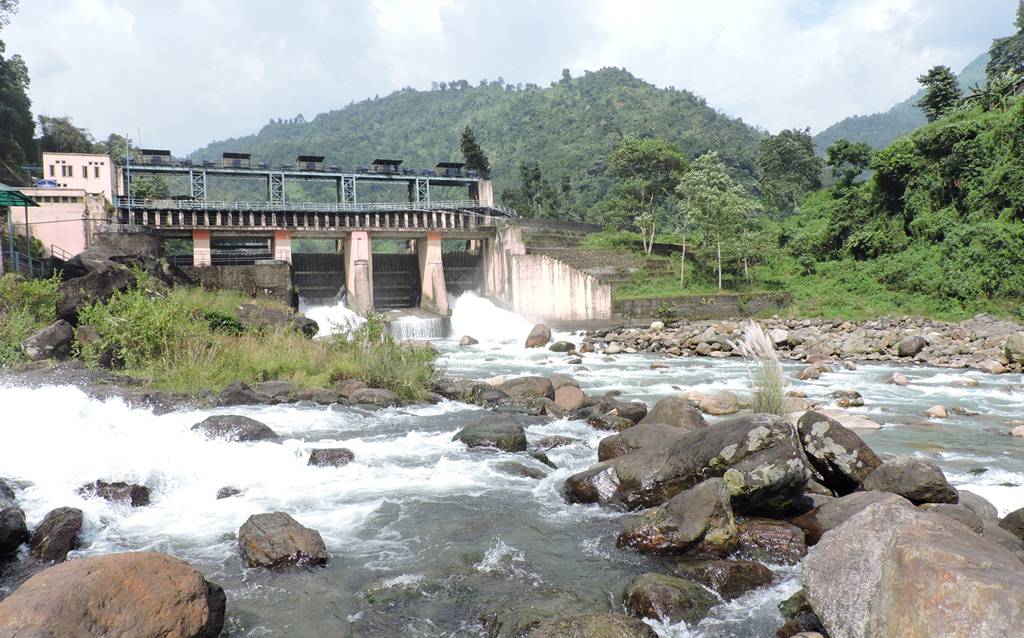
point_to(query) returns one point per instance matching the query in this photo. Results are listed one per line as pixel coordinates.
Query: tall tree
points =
(848, 160)
(60, 135)
(535, 196)
(645, 173)
(717, 203)
(1006, 55)
(789, 168)
(17, 129)
(942, 92)
(476, 159)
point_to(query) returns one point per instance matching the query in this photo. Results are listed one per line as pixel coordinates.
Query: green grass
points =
(26, 306)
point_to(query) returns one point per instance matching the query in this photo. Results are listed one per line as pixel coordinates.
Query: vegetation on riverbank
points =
(190, 340)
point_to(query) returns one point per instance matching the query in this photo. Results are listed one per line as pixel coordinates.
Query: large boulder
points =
(914, 479)
(7, 496)
(1014, 347)
(835, 512)
(758, 456)
(495, 431)
(676, 411)
(730, 578)
(698, 521)
(137, 594)
(979, 505)
(841, 458)
(1014, 523)
(771, 540)
(719, 403)
(330, 457)
(117, 491)
(52, 342)
(539, 336)
(98, 285)
(570, 398)
(278, 540)
(636, 437)
(256, 316)
(609, 405)
(911, 346)
(13, 531)
(529, 387)
(667, 598)
(957, 512)
(374, 396)
(57, 534)
(238, 393)
(593, 626)
(894, 570)
(234, 427)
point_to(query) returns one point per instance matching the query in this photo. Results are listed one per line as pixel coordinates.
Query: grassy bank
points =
(189, 340)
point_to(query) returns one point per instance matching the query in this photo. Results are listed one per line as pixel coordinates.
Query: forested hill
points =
(880, 129)
(569, 128)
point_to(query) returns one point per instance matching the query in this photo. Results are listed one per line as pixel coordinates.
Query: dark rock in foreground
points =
(772, 540)
(234, 427)
(57, 534)
(13, 531)
(331, 457)
(496, 431)
(593, 626)
(98, 285)
(914, 479)
(667, 598)
(894, 570)
(278, 540)
(52, 342)
(118, 492)
(137, 594)
(834, 513)
(698, 521)
(636, 437)
(238, 393)
(730, 578)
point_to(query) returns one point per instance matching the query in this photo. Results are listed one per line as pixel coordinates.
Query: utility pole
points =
(28, 244)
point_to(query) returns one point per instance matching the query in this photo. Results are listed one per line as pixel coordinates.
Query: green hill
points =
(879, 129)
(569, 128)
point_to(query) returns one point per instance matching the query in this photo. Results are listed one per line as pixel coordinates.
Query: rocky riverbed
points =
(983, 342)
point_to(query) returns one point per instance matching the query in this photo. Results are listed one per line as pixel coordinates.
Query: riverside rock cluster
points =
(983, 342)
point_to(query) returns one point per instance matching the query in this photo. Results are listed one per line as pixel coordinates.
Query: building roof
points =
(154, 151)
(10, 196)
(237, 155)
(450, 164)
(309, 158)
(389, 162)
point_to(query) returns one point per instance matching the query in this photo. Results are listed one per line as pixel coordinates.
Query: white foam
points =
(481, 319)
(333, 316)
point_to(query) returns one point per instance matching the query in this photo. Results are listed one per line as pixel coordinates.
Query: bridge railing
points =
(306, 207)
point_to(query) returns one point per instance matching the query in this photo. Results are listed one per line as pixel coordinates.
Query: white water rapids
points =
(438, 528)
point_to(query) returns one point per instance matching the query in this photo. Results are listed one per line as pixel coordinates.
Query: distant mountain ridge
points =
(570, 128)
(880, 129)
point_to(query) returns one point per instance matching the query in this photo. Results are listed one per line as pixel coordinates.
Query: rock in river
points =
(697, 521)
(13, 531)
(137, 594)
(839, 455)
(495, 431)
(330, 457)
(894, 570)
(677, 411)
(539, 336)
(757, 456)
(636, 437)
(374, 396)
(234, 427)
(772, 540)
(593, 626)
(529, 387)
(667, 598)
(57, 534)
(118, 492)
(914, 479)
(730, 578)
(277, 540)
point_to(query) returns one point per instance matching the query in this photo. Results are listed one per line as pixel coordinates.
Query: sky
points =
(178, 74)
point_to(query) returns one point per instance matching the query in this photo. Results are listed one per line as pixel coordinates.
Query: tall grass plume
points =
(766, 380)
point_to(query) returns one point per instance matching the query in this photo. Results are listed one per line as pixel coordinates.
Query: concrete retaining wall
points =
(702, 306)
(273, 279)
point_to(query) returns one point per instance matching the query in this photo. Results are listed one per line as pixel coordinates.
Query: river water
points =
(426, 537)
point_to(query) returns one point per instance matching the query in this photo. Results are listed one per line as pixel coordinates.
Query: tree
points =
(942, 92)
(1007, 54)
(848, 160)
(60, 135)
(646, 172)
(717, 203)
(17, 129)
(535, 196)
(789, 168)
(475, 157)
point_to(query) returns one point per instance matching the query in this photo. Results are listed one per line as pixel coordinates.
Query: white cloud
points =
(188, 71)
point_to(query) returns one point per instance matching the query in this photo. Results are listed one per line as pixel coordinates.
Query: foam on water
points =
(481, 319)
(332, 315)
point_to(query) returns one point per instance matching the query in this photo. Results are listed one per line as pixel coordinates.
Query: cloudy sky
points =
(184, 72)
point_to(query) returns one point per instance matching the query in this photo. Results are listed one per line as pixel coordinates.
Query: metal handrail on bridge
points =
(311, 207)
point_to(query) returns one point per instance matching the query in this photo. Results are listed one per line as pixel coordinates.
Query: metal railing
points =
(306, 207)
(59, 253)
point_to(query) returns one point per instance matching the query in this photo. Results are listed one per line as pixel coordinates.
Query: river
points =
(426, 537)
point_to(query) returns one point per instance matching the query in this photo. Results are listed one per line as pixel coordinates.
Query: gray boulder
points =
(234, 427)
(495, 431)
(239, 393)
(7, 496)
(562, 346)
(636, 437)
(277, 540)
(98, 285)
(593, 626)
(914, 479)
(730, 578)
(697, 521)
(1014, 523)
(374, 396)
(911, 346)
(676, 411)
(117, 491)
(667, 598)
(635, 411)
(515, 468)
(771, 540)
(1014, 347)
(529, 387)
(894, 570)
(758, 456)
(979, 505)
(958, 513)
(330, 457)
(52, 342)
(57, 534)
(539, 336)
(841, 458)
(13, 531)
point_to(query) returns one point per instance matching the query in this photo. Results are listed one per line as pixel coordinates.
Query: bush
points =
(26, 306)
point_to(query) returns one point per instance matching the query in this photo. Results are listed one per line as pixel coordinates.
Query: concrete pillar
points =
(201, 248)
(433, 295)
(359, 271)
(282, 248)
(483, 192)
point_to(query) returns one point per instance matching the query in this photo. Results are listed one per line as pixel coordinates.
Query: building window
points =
(85, 172)
(51, 170)
(97, 171)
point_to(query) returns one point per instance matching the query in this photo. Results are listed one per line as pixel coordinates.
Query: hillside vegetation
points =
(568, 129)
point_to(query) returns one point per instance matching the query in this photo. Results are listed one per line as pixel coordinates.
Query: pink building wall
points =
(65, 218)
(90, 172)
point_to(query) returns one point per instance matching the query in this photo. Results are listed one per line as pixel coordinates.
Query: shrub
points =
(26, 306)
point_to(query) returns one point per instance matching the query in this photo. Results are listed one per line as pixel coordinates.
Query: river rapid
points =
(425, 536)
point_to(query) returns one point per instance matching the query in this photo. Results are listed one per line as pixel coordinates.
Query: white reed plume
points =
(766, 380)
